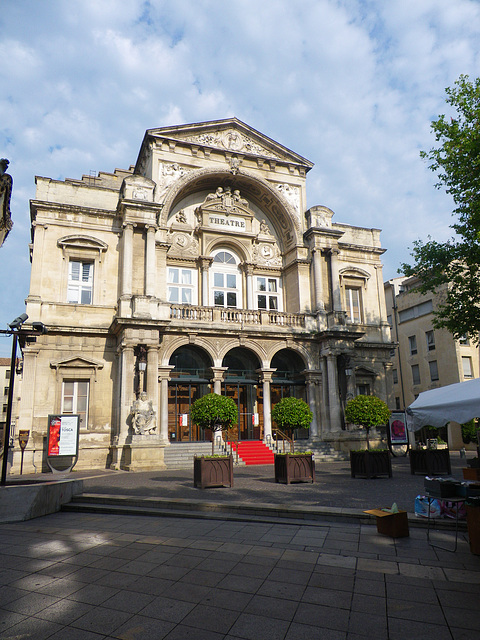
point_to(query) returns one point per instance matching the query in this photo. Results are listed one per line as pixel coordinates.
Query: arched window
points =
(226, 289)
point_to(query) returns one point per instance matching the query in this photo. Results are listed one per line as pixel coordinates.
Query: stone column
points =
(205, 266)
(267, 402)
(150, 263)
(127, 373)
(127, 258)
(248, 270)
(336, 293)
(164, 377)
(333, 393)
(324, 425)
(317, 276)
(218, 376)
(313, 379)
(152, 379)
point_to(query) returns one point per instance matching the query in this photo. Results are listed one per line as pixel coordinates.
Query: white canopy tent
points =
(456, 402)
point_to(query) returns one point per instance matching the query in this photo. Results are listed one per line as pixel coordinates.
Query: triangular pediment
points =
(230, 135)
(77, 362)
(365, 371)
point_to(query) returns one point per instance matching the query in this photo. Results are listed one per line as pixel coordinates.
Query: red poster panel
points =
(398, 428)
(63, 431)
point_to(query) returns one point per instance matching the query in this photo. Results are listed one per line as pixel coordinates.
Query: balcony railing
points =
(236, 316)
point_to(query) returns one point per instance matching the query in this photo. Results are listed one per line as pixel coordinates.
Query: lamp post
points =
(16, 331)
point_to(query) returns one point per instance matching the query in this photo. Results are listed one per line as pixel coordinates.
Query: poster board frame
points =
(67, 425)
(395, 438)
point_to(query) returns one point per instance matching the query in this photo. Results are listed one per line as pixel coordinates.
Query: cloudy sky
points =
(352, 85)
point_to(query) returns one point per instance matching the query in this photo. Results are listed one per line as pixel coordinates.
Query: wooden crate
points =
(394, 525)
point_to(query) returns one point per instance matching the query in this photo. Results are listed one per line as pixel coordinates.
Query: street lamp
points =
(16, 331)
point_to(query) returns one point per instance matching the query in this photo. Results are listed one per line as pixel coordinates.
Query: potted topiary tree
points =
(368, 412)
(214, 412)
(290, 414)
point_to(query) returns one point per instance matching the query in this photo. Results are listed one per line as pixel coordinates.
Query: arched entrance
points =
(189, 380)
(288, 380)
(241, 384)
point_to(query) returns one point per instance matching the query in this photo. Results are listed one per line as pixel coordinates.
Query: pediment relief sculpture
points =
(224, 201)
(232, 140)
(267, 253)
(182, 244)
(168, 174)
(291, 194)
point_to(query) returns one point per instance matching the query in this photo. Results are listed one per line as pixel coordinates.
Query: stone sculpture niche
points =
(144, 421)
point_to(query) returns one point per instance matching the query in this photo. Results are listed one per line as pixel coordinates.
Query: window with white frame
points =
(467, 367)
(353, 304)
(80, 282)
(182, 285)
(267, 293)
(430, 336)
(75, 399)
(433, 370)
(226, 279)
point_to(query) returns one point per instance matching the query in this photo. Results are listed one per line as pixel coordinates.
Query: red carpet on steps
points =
(253, 452)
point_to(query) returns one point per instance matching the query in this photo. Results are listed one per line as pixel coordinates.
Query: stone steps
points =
(322, 451)
(179, 455)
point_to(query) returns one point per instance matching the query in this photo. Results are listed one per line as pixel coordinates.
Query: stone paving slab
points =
(220, 580)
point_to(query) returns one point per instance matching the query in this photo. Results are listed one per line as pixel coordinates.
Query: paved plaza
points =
(102, 576)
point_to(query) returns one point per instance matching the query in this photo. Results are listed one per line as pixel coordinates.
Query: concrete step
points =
(234, 511)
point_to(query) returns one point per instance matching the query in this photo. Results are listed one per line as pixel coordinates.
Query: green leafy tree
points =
(290, 414)
(452, 268)
(214, 412)
(367, 412)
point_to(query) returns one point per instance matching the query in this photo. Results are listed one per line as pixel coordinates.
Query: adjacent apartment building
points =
(197, 269)
(425, 358)
(5, 382)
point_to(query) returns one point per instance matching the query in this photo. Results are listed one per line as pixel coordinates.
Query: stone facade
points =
(425, 358)
(197, 269)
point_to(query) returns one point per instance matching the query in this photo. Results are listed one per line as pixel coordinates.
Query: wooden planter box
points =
(370, 464)
(471, 473)
(294, 468)
(213, 472)
(430, 462)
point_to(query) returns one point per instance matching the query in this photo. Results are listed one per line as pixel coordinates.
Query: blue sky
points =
(350, 85)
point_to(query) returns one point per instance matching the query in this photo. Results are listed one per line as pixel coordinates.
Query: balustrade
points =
(236, 316)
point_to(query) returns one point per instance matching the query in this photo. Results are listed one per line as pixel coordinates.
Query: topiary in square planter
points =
(294, 467)
(430, 462)
(213, 471)
(370, 463)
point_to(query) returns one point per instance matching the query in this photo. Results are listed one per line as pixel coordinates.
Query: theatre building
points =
(198, 269)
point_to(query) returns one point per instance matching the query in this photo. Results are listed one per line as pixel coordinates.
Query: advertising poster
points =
(63, 435)
(398, 428)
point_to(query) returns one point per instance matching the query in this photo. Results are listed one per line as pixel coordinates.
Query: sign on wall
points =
(397, 427)
(63, 432)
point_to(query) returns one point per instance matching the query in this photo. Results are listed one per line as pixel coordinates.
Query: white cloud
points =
(352, 86)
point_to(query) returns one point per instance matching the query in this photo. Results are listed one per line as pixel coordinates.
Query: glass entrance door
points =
(181, 395)
(249, 409)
